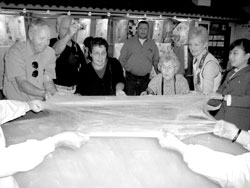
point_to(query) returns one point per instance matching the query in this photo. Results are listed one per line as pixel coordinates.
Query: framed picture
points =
(205, 24)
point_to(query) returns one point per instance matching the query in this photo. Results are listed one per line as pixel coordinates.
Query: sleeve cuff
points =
(27, 107)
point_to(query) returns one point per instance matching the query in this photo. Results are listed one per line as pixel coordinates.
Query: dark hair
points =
(98, 41)
(87, 41)
(143, 22)
(243, 43)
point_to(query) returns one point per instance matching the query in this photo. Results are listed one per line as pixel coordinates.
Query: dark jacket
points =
(238, 86)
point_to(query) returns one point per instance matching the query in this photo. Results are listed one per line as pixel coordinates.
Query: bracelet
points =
(236, 136)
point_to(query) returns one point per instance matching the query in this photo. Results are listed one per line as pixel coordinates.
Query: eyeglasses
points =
(103, 54)
(35, 66)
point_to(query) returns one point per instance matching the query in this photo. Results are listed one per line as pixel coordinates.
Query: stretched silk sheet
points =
(145, 116)
(107, 116)
(123, 150)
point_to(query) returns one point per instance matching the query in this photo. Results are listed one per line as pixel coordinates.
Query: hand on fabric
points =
(36, 105)
(215, 95)
(225, 129)
(170, 141)
(148, 92)
(143, 93)
(47, 95)
(70, 139)
(120, 93)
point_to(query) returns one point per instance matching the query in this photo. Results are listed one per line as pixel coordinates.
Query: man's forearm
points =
(60, 45)
(30, 89)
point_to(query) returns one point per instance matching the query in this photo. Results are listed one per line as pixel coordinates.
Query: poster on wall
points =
(242, 31)
(102, 28)
(180, 33)
(132, 25)
(168, 27)
(164, 48)
(85, 31)
(117, 50)
(120, 33)
(12, 29)
(157, 30)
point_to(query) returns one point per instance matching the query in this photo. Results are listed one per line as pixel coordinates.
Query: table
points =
(123, 150)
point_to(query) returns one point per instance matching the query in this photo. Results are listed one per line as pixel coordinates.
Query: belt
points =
(68, 88)
(138, 77)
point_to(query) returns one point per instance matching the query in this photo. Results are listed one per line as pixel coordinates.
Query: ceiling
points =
(224, 9)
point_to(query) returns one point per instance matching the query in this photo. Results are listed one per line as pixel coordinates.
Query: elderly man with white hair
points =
(69, 54)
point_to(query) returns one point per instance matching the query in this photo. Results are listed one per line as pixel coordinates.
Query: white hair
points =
(37, 23)
(61, 18)
(170, 56)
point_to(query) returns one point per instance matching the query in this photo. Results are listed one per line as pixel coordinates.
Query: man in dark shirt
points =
(69, 55)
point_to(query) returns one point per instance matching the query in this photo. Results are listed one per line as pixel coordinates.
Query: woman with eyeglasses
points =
(233, 96)
(103, 75)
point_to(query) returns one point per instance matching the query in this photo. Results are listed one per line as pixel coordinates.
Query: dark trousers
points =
(134, 85)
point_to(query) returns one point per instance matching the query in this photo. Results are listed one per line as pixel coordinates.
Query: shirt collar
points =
(142, 40)
(237, 70)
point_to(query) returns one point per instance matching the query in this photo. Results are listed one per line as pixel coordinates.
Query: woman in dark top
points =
(104, 75)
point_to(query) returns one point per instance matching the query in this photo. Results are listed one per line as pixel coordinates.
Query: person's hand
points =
(73, 28)
(72, 139)
(143, 93)
(170, 141)
(120, 93)
(36, 105)
(225, 129)
(47, 95)
(215, 95)
(146, 93)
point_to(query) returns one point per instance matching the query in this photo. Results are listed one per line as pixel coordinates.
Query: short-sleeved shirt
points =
(18, 62)
(179, 86)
